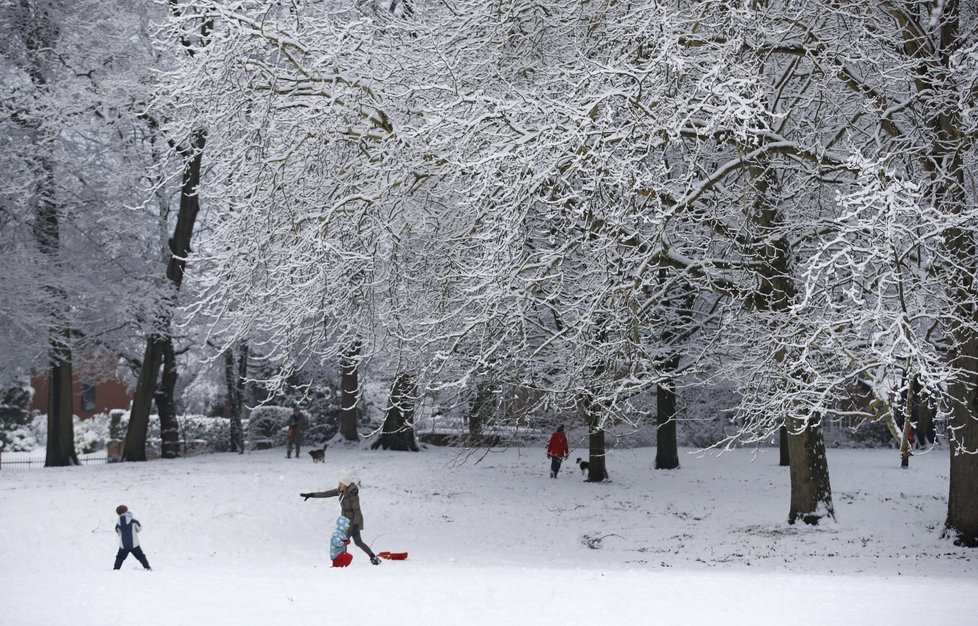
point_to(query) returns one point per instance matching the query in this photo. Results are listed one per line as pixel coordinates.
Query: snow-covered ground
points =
(492, 541)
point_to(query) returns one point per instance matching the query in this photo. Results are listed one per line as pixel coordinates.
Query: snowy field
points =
(491, 542)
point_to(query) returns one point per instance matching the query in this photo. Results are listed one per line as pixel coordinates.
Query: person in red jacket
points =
(557, 450)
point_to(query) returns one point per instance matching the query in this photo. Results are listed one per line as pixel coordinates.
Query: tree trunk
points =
(482, 410)
(40, 34)
(398, 429)
(811, 493)
(350, 394)
(230, 385)
(234, 377)
(61, 430)
(135, 448)
(47, 234)
(166, 405)
(239, 386)
(962, 501)
(142, 400)
(962, 428)
(597, 470)
(783, 446)
(666, 447)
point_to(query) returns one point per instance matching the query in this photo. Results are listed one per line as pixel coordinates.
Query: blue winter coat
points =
(128, 528)
(337, 543)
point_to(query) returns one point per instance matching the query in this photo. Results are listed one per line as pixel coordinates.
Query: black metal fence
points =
(32, 463)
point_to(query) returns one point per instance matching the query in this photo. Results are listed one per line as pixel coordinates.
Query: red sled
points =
(393, 556)
(343, 559)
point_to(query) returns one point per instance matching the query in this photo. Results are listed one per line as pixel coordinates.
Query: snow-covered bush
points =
(91, 434)
(20, 439)
(267, 426)
(15, 419)
(213, 432)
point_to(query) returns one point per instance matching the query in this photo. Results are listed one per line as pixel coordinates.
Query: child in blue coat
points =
(128, 530)
(338, 543)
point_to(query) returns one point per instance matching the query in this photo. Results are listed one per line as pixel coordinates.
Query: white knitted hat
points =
(347, 479)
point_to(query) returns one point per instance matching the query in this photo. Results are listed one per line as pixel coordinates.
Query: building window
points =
(88, 397)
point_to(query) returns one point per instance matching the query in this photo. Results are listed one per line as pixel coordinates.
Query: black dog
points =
(318, 456)
(585, 466)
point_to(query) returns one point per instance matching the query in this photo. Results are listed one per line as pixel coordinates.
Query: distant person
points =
(293, 436)
(557, 450)
(349, 495)
(128, 529)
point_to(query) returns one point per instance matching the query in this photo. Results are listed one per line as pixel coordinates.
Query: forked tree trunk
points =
(142, 402)
(398, 430)
(811, 493)
(350, 394)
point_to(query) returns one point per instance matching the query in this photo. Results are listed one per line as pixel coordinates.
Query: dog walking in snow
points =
(319, 456)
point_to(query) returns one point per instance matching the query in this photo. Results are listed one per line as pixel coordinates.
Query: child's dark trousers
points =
(136, 552)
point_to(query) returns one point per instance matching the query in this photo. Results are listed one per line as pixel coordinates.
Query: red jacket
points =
(558, 445)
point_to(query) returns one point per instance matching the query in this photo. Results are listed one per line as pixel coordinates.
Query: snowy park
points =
(720, 259)
(491, 539)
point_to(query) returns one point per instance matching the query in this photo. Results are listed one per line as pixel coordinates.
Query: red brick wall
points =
(109, 394)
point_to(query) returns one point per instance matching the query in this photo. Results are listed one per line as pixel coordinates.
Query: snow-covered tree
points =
(74, 157)
(561, 197)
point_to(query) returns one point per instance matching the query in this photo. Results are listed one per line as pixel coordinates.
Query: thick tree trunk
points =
(398, 430)
(962, 428)
(142, 400)
(135, 447)
(811, 492)
(40, 34)
(61, 430)
(350, 394)
(784, 460)
(962, 501)
(597, 469)
(666, 448)
(166, 405)
(47, 234)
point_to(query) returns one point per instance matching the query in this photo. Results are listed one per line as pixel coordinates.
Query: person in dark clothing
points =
(349, 494)
(557, 450)
(128, 529)
(297, 428)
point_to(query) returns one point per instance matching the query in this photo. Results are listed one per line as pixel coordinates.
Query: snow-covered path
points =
(231, 542)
